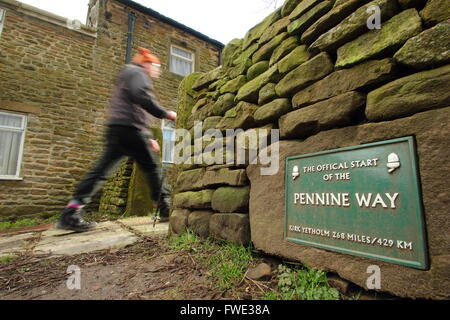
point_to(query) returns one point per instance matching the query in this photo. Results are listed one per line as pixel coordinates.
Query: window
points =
(168, 132)
(2, 19)
(181, 61)
(12, 134)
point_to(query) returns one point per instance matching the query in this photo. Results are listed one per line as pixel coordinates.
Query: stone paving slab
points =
(61, 242)
(145, 225)
(10, 244)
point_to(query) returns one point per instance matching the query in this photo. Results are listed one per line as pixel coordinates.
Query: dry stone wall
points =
(315, 70)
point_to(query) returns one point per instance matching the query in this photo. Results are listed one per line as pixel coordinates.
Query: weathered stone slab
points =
(306, 20)
(186, 99)
(211, 122)
(224, 176)
(215, 86)
(200, 115)
(415, 93)
(262, 271)
(206, 79)
(267, 209)
(179, 220)
(273, 30)
(223, 104)
(233, 86)
(257, 31)
(244, 57)
(359, 77)
(266, 50)
(340, 11)
(435, 11)
(305, 74)
(231, 51)
(198, 222)
(331, 113)
(232, 227)
(288, 7)
(249, 91)
(271, 111)
(283, 49)
(190, 180)
(231, 199)
(353, 26)
(193, 200)
(200, 103)
(267, 94)
(298, 56)
(240, 69)
(257, 69)
(430, 48)
(302, 7)
(240, 116)
(392, 35)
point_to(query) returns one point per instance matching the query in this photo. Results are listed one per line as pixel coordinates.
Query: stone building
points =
(327, 78)
(56, 78)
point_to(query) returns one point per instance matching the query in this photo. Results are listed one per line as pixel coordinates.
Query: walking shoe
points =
(164, 210)
(71, 219)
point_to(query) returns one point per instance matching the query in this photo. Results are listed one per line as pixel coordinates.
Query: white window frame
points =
(166, 125)
(23, 130)
(192, 61)
(2, 19)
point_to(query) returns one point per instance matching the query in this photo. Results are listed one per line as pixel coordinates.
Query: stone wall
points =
(316, 71)
(62, 80)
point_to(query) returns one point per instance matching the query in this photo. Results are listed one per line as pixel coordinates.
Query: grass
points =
(6, 259)
(26, 222)
(227, 263)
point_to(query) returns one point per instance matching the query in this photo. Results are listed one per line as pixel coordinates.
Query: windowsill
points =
(11, 178)
(178, 75)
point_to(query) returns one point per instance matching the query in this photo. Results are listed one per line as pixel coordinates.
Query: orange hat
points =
(145, 55)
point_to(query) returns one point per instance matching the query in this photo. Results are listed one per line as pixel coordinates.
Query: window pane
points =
(168, 149)
(11, 121)
(183, 53)
(9, 152)
(180, 66)
(168, 144)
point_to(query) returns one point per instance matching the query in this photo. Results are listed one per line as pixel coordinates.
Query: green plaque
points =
(363, 200)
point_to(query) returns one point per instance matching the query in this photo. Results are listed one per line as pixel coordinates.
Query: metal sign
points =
(363, 200)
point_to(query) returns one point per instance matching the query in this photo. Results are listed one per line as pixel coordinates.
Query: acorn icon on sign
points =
(393, 162)
(295, 173)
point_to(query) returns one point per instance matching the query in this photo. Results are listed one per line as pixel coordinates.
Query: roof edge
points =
(159, 16)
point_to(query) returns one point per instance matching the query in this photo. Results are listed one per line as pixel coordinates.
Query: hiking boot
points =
(71, 220)
(164, 210)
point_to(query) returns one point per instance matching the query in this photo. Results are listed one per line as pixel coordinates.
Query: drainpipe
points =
(131, 24)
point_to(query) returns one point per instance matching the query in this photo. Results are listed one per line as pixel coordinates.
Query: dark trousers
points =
(122, 141)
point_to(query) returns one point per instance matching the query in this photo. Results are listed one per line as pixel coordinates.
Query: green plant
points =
(229, 264)
(304, 284)
(6, 259)
(26, 222)
(184, 241)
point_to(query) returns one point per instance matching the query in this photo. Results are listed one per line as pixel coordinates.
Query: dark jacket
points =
(133, 100)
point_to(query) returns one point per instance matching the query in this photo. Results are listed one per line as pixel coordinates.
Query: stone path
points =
(111, 234)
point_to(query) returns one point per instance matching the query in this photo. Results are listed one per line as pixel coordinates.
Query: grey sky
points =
(218, 19)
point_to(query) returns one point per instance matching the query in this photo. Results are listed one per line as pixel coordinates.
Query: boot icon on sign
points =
(393, 162)
(295, 173)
